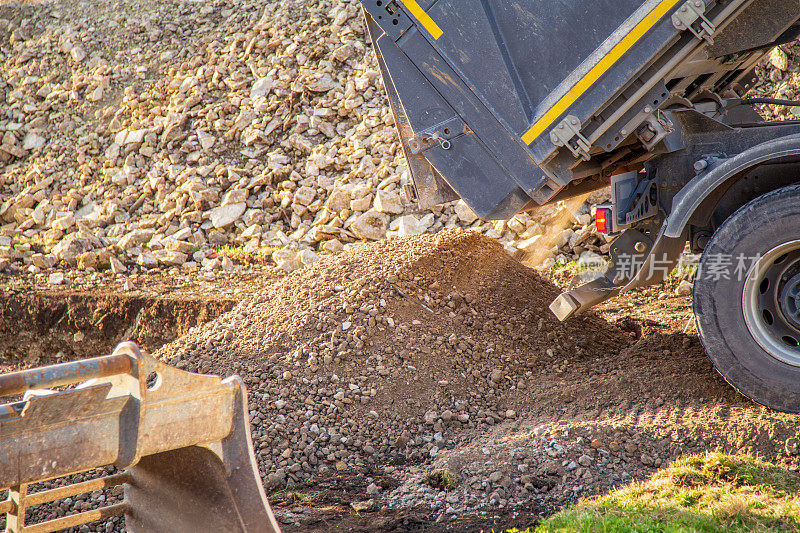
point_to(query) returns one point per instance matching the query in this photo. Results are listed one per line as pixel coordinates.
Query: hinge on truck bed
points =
(568, 133)
(689, 13)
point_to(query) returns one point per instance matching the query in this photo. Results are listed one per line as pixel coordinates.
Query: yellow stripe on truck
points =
(423, 18)
(598, 70)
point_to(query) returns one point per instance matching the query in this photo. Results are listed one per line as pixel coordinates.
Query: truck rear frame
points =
(512, 104)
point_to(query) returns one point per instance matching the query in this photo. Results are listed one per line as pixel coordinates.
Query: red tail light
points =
(602, 219)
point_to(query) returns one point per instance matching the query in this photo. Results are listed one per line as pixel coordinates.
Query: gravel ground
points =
(147, 134)
(374, 371)
(234, 164)
(399, 359)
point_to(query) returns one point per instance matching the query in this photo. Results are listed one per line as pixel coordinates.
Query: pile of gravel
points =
(390, 353)
(138, 135)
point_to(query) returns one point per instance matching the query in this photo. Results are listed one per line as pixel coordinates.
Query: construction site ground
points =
(555, 411)
(220, 183)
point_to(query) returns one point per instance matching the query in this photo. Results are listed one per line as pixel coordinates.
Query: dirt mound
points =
(38, 329)
(370, 370)
(400, 357)
(390, 352)
(405, 317)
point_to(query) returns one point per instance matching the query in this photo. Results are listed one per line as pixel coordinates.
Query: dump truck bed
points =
(513, 104)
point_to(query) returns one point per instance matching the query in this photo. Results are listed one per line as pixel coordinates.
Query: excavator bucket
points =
(180, 443)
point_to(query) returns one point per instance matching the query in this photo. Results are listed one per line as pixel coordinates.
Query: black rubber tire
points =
(756, 228)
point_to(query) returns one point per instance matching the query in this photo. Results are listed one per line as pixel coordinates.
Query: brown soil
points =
(431, 323)
(625, 376)
(37, 329)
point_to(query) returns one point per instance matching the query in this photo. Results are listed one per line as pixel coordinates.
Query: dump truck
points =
(178, 445)
(514, 104)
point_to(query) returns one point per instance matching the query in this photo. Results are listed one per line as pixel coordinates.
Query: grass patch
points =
(708, 493)
(440, 480)
(244, 254)
(683, 271)
(289, 495)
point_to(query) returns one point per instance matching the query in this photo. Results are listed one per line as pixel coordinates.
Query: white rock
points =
(135, 136)
(261, 87)
(287, 260)
(304, 195)
(339, 200)
(64, 223)
(44, 261)
(206, 140)
(684, 288)
(465, 213)
(779, 59)
(146, 259)
(512, 250)
(388, 202)
(516, 225)
(170, 257)
(78, 53)
(96, 95)
(528, 245)
(583, 219)
(116, 265)
(564, 237)
(333, 246)
(69, 247)
(361, 204)
(171, 243)
(32, 141)
(251, 232)
(407, 225)
(344, 52)
(56, 278)
(308, 257)
(235, 196)
(225, 215)
(371, 225)
(323, 84)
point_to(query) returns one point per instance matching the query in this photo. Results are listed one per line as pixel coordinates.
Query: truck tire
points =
(749, 319)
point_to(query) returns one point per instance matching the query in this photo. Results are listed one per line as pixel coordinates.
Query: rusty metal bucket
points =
(180, 441)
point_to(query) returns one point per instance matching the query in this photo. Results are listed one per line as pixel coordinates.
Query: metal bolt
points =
(698, 3)
(700, 165)
(640, 247)
(623, 132)
(574, 121)
(683, 9)
(648, 109)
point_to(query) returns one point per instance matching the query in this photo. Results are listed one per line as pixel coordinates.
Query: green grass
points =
(440, 480)
(243, 254)
(290, 495)
(709, 493)
(683, 272)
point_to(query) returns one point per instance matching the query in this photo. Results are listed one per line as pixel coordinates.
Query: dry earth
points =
(374, 368)
(138, 137)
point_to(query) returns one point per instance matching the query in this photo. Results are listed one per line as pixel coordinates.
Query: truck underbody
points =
(513, 105)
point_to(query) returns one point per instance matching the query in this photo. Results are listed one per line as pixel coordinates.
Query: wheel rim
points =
(771, 302)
